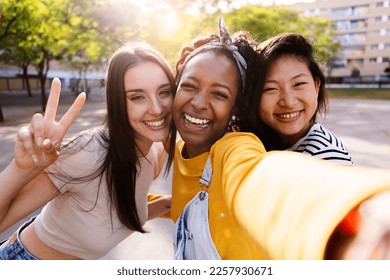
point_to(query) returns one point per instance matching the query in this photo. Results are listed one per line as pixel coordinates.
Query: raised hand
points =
(36, 144)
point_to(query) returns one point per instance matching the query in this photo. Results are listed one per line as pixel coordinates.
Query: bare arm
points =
(22, 191)
(159, 207)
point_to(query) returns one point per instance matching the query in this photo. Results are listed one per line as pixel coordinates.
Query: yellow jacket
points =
(275, 205)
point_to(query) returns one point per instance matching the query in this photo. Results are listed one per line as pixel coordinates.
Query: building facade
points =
(364, 36)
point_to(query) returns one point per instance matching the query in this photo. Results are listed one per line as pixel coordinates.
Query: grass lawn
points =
(361, 93)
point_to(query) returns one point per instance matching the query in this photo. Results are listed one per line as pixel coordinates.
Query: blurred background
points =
(73, 40)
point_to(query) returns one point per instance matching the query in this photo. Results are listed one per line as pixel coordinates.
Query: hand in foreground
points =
(159, 206)
(36, 144)
(373, 239)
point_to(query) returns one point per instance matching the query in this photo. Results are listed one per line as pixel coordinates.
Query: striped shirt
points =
(320, 142)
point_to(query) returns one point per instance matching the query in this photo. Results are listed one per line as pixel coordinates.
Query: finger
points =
(38, 129)
(25, 137)
(53, 100)
(50, 152)
(73, 111)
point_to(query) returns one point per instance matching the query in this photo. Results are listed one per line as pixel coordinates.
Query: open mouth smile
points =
(196, 121)
(288, 116)
(157, 123)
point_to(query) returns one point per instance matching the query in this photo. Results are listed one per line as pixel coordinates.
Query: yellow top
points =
(264, 205)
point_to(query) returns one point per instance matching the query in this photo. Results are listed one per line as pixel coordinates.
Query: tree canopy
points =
(82, 34)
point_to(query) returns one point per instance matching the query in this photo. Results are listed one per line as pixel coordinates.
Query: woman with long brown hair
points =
(96, 191)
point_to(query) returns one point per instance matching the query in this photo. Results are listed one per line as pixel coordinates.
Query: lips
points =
(155, 123)
(288, 116)
(196, 121)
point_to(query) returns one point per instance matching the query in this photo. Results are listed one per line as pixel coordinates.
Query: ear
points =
(317, 84)
(235, 111)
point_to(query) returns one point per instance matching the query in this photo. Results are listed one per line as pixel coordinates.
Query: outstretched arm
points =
(297, 212)
(35, 149)
(290, 203)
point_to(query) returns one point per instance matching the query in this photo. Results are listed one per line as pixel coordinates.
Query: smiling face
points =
(204, 101)
(149, 101)
(289, 99)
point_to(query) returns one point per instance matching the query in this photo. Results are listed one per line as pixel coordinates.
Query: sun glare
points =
(163, 14)
(170, 22)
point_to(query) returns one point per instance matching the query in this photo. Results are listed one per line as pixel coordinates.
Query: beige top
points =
(79, 221)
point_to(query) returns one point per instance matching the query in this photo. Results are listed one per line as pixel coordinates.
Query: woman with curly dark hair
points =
(231, 199)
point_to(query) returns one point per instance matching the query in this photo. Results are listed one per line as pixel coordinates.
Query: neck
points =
(189, 152)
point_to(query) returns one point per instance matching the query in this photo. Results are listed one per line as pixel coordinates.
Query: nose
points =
(287, 99)
(155, 106)
(199, 101)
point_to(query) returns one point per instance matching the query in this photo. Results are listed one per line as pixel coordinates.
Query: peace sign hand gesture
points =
(36, 144)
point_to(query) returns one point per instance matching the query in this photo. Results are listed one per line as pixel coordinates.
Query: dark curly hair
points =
(246, 46)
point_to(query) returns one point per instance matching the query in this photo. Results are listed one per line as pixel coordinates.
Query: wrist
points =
(26, 173)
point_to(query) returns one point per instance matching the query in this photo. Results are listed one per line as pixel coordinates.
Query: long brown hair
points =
(121, 162)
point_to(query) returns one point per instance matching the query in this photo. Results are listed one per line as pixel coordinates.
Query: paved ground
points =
(363, 126)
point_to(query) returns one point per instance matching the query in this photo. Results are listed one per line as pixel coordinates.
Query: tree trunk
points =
(26, 80)
(43, 69)
(1, 112)
(42, 80)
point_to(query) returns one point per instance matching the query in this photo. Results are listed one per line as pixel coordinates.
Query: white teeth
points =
(155, 123)
(288, 116)
(195, 120)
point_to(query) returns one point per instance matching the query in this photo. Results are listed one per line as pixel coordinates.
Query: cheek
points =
(176, 106)
(134, 111)
(168, 104)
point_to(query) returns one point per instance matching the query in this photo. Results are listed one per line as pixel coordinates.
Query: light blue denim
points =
(13, 249)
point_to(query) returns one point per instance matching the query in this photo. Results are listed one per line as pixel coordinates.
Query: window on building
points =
(380, 4)
(339, 64)
(361, 10)
(357, 50)
(352, 38)
(350, 24)
(375, 33)
(372, 59)
(340, 12)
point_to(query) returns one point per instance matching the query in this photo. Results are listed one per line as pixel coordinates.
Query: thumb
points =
(49, 150)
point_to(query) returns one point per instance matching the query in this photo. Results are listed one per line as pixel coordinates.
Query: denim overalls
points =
(192, 238)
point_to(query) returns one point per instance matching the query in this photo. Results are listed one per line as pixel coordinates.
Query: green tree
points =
(38, 32)
(16, 19)
(265, 22)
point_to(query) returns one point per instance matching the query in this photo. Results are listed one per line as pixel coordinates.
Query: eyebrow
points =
(295, 77)
(214, 84)
(141, 90)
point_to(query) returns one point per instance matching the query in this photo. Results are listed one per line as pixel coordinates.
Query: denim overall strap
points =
(193, 238)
